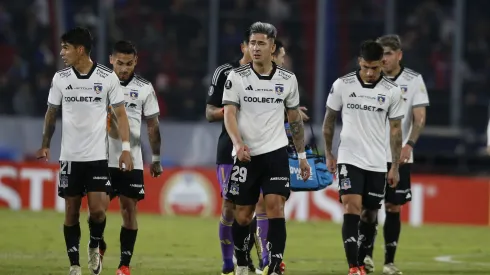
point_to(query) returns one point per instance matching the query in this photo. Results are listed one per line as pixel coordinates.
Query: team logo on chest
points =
(98, 88)
(404, 88)
(279, 89)
(381, 99)
(133, 94)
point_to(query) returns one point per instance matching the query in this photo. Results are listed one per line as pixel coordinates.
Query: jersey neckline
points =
(126, 82)
(397, 75)
(368, 85)
(264, 77)
(87, 76)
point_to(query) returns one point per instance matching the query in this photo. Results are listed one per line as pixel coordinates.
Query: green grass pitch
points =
(33, 243)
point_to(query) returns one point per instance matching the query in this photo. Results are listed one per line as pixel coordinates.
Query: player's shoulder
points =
(222, 72)
(348, 79)
(282, 72)
(243, 71)
(387, 84)
(104, 68)
(409, 74)
(141, 82)
(64, 73)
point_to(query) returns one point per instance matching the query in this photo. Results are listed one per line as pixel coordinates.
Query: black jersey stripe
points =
(412, 72)
(218, 72)
(349, 75)
(104, 68)
(142, 79)
(389, 81)
(65, 69)
(242, 68)
(284, 70)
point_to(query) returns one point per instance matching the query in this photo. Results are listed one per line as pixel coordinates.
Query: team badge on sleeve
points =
(98, 87)
(381, 99)
(279, 89)
(133, 94)
(228, 84)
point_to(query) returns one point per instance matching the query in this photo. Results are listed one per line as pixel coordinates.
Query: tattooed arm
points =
(329, 130)
(418, 123)
(49, 126)
(153, 126)
(297, 129)
(214, 113)
(395, 141)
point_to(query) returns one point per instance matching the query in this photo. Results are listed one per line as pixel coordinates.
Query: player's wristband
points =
(155, 158)
(411, 143)
(126, 146)
(302, 155)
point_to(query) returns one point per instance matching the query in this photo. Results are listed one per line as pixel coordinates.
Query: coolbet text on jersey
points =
(365, 110)
(414, 94)
(84, 100)
(261, 104)
(141, 102)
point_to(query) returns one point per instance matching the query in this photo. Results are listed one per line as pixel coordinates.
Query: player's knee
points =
(392, 208)
(128, 207)
(244, 215)
(227, 210)
(72, 210)
(369, 216)
(97, 213)
(260, 206)
(274, 206)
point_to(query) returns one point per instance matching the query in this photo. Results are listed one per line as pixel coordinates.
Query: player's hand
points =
(405, 154)
(305, 169)
(393, 177)
(43, 153)
(156, 169)
(126, 161)
(302, 112)
(243, 153)
(331, 163)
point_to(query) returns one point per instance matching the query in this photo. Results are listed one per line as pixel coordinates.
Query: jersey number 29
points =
(239, 174)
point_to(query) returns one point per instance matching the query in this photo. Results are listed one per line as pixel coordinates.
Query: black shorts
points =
(370, 185)
(269, 171)
(127, 183)
(403, 192)
(78, 178)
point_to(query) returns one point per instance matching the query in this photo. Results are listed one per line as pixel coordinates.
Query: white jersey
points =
(141, 101)
(415, 95)
(365, 108)
(261, 101)
(84, 100)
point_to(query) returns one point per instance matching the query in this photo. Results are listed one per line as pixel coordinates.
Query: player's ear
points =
(273, 46)
(135, 60)
(111, 59)
(400, 55)
(359, 59)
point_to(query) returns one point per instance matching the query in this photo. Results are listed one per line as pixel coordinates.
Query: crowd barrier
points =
(436, 199)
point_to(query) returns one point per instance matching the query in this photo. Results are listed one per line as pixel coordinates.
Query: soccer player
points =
(141, 102)
(83, 91)
(416, 100)
(260, 223)
(255, 97)
(366, 99)
(224, 160)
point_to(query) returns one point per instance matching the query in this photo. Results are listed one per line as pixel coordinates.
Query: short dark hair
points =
(125, 47)
(263, 28)
(371, 51)
(246, 36)
(279, 45)
(391, 41)
(78, 37)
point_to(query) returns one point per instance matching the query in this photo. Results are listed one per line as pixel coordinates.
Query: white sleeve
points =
(397, 104)
(115, 93)
(150, 105)
(231, 93)
(421, 99)
(334, 100)
(55, 96)
(292, 99)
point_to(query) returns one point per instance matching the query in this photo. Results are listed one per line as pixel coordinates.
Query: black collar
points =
(397, 75)
(368, 85)
(265, 77)
(87, 76)
(126, 82)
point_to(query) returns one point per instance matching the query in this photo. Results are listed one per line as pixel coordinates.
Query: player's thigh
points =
(374, 191)
(276, 177)
(71, 179)
(129, 184)
(351, 180)
(243, 187)
(223, 172)
(402, 193)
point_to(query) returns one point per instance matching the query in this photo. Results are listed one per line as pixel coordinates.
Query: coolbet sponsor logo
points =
(187, 193)
(361, 107)
(82, 99)
(262, 99)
